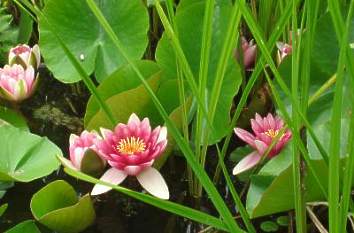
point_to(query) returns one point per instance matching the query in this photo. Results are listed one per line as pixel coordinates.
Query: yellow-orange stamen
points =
(131, 145)
(272, 133)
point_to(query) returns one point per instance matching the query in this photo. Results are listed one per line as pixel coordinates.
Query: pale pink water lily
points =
(131, 150)
(16, 82)
(24, 55)
(249, 53)
(283, 51)
(79, 147)
(265, 129)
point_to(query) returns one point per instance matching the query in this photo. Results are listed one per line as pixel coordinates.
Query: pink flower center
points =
(131, 145)
(272, 133)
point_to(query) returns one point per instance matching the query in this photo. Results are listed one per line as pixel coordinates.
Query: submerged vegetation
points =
(176, 116)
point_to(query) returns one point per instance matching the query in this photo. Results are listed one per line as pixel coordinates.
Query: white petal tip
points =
(154, 183)
(247, 163)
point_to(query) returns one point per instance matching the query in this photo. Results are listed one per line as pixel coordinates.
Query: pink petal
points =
(154, 183)
(245, 136)
(105, 133)
(261, 147)
(112, 176)
(257, 128)
(271, 121)
(133, 170)
(162, 135)
(259, 120)
(246, 163)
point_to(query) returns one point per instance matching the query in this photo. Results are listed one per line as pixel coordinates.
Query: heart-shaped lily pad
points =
(76, 25)
(58, 207)
(25, 156)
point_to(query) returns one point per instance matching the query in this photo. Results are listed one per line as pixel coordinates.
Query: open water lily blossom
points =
(16, 82)
(130, 150)
(265, 129)
(25, 56)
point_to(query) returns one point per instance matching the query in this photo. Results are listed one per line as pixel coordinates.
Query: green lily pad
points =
(269, 226)
(8, 116)
(79, 29)
(189, 23)
(123, 104)
(58, 207)
(25, 156)
(122, 80)
(27, 226)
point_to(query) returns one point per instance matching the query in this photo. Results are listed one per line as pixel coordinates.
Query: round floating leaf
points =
(27, 226)
(8, 116)
(269, 226)
(189, 23)
(123, 104)
(76, 25)
(122, 80)
(283, 221)
(25, 156)
(58, 207)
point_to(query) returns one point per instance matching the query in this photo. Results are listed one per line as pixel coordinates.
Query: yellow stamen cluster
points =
(131, 145)
(272, 133)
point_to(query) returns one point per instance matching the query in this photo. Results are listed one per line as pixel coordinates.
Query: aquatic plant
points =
(265, 131)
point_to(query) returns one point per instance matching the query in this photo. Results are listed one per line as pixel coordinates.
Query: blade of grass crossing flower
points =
(169, 206)
(299, 200)
(75, 62)
(265, 51)
(184, 145)
(334, 147)
(296, 135)
(241, 209)
(279, 27)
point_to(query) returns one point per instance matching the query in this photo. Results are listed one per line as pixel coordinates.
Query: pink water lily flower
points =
(131, 150)
(24, 55)
(78, 148)
(17, 83)
(265, 130)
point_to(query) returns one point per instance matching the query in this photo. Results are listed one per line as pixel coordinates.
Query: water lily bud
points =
(283, 51)
(16, 82)
(25, 56)
(249, 53)
(83, 154)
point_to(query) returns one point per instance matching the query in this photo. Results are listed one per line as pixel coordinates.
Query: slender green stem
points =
(300, 207)
(334, 147)
(203, 78)
(329, 83)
